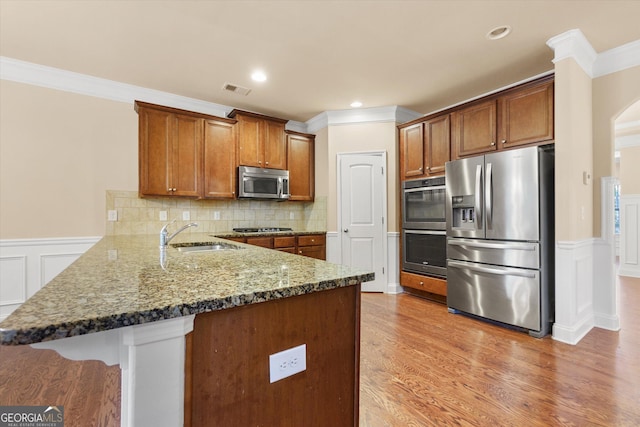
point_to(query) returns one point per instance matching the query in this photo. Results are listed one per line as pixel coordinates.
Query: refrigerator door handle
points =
(488, 196)
(485, 269)
(491, 245)
(477, 205)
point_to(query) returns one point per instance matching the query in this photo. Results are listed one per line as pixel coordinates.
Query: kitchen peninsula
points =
(193, 331)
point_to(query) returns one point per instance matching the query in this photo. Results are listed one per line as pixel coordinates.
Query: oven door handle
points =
(436, 232)
(413, 190)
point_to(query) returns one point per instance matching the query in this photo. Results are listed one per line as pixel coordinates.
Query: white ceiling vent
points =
(236, 89)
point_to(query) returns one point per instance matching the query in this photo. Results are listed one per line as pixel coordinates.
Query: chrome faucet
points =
(164, 240)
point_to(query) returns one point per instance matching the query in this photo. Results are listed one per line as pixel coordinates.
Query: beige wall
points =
(59, 153)
(612, 94)
(630, 171)
(573, 151)
(361, 137)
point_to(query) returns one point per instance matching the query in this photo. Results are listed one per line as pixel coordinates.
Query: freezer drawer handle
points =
(510, 272)
(491, 245)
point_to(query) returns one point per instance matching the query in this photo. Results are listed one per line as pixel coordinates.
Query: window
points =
(616, 208)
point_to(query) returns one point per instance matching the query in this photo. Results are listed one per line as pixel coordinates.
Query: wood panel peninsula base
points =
(193, 331)
(229, 375)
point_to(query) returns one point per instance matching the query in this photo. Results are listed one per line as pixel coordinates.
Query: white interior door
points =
(362, 186)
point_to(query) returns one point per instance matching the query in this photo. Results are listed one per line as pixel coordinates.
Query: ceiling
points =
(318, 55)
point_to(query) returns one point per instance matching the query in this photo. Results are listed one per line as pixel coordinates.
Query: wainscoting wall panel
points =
(26, 265)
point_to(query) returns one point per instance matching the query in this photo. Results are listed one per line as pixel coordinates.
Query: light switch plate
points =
(163, 216)
(112, 215)
(186, 216)
(287, 363)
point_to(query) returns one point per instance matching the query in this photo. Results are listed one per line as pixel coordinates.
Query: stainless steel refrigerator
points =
(500, 237)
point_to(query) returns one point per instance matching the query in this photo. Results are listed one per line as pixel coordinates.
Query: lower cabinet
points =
(309, 245)
(429, 284)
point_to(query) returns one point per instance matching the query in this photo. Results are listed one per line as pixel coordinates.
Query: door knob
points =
(346, 230)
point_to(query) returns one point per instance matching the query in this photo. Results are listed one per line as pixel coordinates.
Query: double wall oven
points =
(424, 226)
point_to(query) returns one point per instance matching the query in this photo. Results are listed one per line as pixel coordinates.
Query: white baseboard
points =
(26, 265)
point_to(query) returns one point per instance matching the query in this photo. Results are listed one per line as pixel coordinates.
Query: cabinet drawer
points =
(287, 250)
(284, 242)
(317, 252)
(265, 242)
(424, 283)
(311, 240)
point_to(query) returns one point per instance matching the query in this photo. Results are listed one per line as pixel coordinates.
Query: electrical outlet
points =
(291, 215)
(186, 216)
(163, 215)
(112, 215)
(287, 363)
(216, 215)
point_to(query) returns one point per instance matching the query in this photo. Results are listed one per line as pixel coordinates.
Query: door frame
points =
(385, 226)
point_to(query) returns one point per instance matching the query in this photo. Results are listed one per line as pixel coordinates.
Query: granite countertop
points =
(120, 282)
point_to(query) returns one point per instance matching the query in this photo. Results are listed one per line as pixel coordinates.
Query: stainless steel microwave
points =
(263, 184)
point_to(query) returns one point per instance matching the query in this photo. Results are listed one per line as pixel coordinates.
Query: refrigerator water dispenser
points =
(464, 214)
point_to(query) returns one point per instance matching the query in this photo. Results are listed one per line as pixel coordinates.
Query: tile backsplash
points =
(142, 216)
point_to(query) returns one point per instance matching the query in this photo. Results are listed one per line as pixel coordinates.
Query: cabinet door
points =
(475, 129)
(250, 149)
(437, 134)
(220, 169)
(155, 133)
(526, 116)
(317, 252)
(300, 158)
(187, 156)
(275, 145)
(412, 146)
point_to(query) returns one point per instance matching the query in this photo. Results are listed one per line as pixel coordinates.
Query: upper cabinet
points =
(301, 159)
(169, 153)
(219, 159)
(526, 116)
(425, 147)
(261, 140)
(515, 117)
(185, 154)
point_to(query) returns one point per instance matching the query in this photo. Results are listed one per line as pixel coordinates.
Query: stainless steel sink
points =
(205, 247)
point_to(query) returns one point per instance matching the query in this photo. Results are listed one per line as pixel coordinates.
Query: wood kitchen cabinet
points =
(261, 140)
(313, 246)
(186, 154)
(429, 284)
(285, 244)
(301, 164)
(513, 118)
(220, 165)
(526, 116)
(425, 147)
(475, 129)
(170, 159)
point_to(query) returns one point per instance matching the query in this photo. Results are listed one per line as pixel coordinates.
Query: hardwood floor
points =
(420, 366)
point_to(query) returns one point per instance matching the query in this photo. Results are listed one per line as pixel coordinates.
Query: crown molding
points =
(617, 59)
(68, 81)
(573, 44)
(392, 113)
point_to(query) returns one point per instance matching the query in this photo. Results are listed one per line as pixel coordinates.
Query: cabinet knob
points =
(346, 230)
(299, 252)
(421, 283)
(493, 143)
(259, 162)
(420, 169)
(504, 141)
(266, 163)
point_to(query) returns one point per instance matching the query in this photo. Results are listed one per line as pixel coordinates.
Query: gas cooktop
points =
(261, 230)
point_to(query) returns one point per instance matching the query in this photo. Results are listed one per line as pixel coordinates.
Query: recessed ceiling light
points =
(499, 32)
(356, 104)
(258, 76)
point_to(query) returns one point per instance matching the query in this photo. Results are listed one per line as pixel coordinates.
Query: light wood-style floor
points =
(420, 366)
